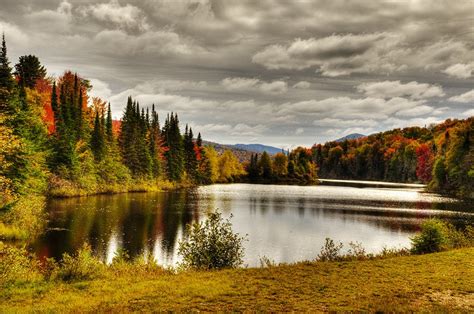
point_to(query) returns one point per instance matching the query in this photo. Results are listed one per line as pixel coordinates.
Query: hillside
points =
(352, 136)
(259, 148)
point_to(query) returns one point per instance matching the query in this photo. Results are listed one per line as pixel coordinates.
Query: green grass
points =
(433, 282)
(64, 189)
(11, 233)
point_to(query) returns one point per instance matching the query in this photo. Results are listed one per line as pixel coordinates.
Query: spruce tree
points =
(29, 70)
(109, 125)
(97, 139)
(6, 80)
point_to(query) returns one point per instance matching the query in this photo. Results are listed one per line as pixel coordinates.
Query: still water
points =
(283, 223)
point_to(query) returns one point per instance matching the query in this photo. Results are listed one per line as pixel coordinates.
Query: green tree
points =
(280, 165)
(98, 139)
(265, 164)
(29, 70)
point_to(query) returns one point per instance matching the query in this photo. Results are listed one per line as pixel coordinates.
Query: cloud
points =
(239, 83)
(275, 87)
(460, 70)
(333, 56)
(100, 89)
(389, 89)
(56, 21)
(342, 123)
(157, 43)
(302, 85)
(464, 98)
(127, 17)
(415, 111)
(240, 129)
(14, 35)
(299, 131)
(247, 84)
(378, 52)
(469, 113)
(354, 108)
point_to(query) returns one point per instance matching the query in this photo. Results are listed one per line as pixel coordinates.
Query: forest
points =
(441, 156)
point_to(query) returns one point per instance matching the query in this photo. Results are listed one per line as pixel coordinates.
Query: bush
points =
(17, 265)
(211, 245)
(330, 251)
(432, 238)
(81, 266)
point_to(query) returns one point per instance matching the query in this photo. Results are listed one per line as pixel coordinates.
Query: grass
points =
(12, 233)
(63, 188)
(432, 282)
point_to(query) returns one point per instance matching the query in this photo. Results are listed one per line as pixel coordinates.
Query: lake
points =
(283, 223)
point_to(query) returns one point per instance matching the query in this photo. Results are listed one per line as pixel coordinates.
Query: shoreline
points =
(441, 282)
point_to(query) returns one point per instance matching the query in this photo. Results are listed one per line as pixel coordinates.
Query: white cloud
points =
(379, 52)
(464, 98)
(247, 84)
(302, 85)
(14, 35)
(341, 123)
(161, 43)
(58, 21)
(351, 108)
(125, 17)
(469, 113)
(275, 87)
(239, 83)
(299, 131)
(460, 70)
(100, 89)
(389, 89)
(415, 111)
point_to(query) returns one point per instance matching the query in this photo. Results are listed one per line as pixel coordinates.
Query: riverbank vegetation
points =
(441, 156)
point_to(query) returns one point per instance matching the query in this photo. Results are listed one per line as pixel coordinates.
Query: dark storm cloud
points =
(272, 71)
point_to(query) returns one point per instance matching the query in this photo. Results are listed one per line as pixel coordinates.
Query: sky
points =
(282, 73)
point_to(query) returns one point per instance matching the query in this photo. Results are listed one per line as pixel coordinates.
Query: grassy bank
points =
(433, 282)
(60, 188)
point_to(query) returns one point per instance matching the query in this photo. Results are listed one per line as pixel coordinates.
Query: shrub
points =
(357, 252)
(211, 245)
(81, 266)
(17, 265)
(432, 238)
(9, 233)
(330, 251)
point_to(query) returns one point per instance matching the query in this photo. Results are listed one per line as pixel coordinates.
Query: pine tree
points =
(29, 70)
(97, 139)
(6, 80)
(175, 154)
(109, 125)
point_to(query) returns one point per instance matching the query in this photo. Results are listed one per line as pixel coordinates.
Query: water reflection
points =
(285, 223)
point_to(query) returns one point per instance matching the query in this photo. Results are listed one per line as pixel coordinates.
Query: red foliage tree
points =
(424, 165)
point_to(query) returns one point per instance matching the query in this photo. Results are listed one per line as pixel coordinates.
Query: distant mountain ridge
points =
(352, 136)
(243, 151)
(259, 148)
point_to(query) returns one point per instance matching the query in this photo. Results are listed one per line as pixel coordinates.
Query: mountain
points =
(241, 154)
(259, 148)
(352, 136)
(243, 151)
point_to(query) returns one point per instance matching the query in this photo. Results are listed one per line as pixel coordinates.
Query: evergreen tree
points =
(175, 153)
(108, 125)
(97, 139)
(191, 162)
(6, 80)
(29, 70)
(265, 165)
